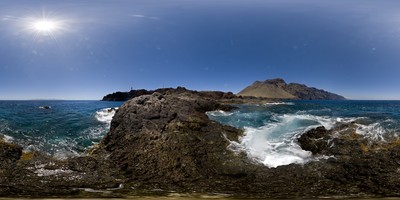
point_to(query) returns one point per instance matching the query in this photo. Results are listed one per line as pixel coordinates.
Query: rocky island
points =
(279, 89)
(164, 142)
(259, 92)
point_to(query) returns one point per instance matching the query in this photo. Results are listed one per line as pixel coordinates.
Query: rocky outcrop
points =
(124, 96)
(361, 164)
(279, 89)
(168, 138)
(165, 142)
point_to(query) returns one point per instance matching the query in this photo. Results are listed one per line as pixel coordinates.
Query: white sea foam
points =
(374, 131)
(7, 138)
(275, 144)
(278, 103)
(219, 113)
(105, 115)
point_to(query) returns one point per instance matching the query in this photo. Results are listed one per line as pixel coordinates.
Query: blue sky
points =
(98, 47)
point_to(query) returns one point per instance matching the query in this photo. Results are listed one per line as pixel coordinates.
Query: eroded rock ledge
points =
(165, 142)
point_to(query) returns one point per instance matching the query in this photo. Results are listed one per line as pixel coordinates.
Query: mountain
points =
(279, 89)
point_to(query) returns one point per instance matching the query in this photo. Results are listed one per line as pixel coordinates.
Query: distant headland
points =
(279, 89)
(268, 90)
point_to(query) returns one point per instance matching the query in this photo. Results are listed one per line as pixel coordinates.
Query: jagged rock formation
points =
(168, 138)
(357, 162)
(165, 142)
(279, 89)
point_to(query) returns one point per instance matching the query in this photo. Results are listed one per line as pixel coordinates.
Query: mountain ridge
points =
(278, 89)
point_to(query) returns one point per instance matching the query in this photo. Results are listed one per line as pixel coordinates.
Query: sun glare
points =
(45, 26)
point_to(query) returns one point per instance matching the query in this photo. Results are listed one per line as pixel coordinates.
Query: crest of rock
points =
(169, 138)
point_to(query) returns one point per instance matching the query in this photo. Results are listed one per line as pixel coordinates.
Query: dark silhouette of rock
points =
(124, 96)
(279, 89)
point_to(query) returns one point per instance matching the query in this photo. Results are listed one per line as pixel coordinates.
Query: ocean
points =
(69, 128)
(59, 128)
(271, 130)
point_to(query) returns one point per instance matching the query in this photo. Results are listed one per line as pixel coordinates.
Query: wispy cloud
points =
(144, 16)
(139, 16)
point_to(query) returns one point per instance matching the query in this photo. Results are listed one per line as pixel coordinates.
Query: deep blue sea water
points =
(271, 130)
(68, 128)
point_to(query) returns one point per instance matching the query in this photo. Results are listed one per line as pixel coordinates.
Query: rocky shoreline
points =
(164, 142)
(222, 97)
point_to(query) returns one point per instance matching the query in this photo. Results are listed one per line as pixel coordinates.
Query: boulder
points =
(314, 140)
(169, 138)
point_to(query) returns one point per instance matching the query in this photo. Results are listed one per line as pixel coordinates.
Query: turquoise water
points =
(271, 130)
(68, 128)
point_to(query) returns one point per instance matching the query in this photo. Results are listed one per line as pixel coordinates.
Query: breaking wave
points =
(278, 103)
(275, 144)
(105, 115)
(270, 134)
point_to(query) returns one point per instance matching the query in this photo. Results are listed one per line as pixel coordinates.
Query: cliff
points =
(279, 89)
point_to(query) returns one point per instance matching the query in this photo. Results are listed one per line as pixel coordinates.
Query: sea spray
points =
(105, 115)
(271, 132)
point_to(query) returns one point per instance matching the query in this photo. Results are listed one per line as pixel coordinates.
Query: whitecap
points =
(105, 115)
(278, 103)
(373, 131)
(275, 144)
(219, 113)
(7, 138)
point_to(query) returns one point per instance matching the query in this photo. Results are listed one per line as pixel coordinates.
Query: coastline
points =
(165, 142)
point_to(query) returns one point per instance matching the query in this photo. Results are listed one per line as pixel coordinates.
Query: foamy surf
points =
(219, 113)
(105, 115)
(278, 103)
(274, 143)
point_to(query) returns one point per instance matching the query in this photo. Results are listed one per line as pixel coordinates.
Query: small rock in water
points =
(45, 107)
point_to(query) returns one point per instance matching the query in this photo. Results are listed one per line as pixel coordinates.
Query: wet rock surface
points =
(165, 142)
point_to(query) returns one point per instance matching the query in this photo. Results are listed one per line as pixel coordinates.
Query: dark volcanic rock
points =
(9, 152)
(363, 165)
(166, 142)
(314, 140)
(169, 138)
(124, 96)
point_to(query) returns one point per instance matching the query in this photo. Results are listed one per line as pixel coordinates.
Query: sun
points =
(45, 26)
